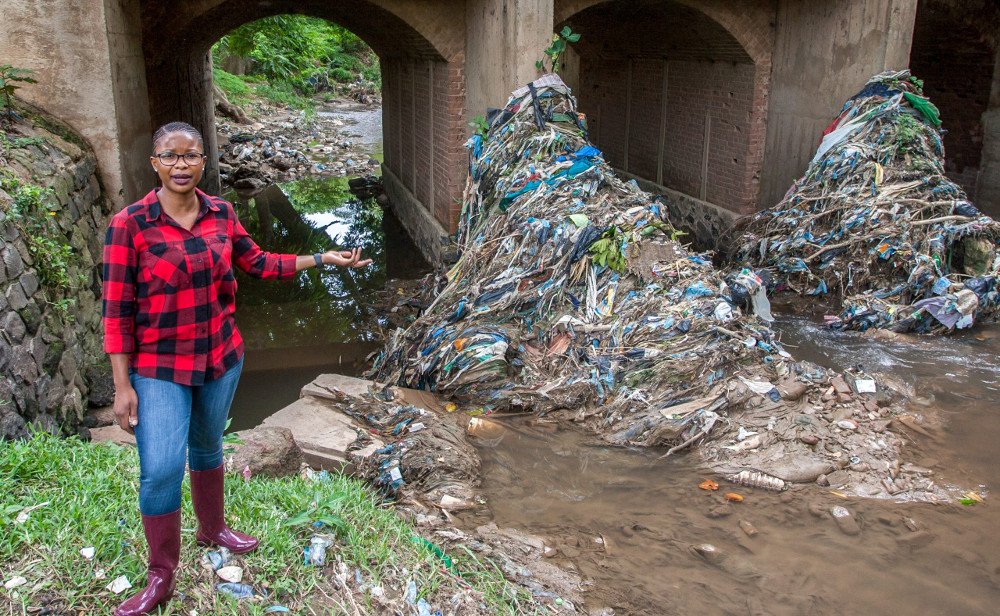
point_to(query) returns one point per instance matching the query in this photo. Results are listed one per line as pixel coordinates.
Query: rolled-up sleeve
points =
(257, 263)
(120, 267)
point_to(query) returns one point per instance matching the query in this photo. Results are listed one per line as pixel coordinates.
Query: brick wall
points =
(701, 135)
(956, 62)
(424, 131)
(682, 106)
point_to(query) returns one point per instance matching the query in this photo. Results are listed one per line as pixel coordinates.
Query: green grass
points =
(91, 491)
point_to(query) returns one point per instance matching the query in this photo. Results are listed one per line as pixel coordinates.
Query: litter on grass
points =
(572, 296)
(875, 222)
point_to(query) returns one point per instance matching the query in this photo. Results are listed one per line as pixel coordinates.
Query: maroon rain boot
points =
(207, 498)
(163, 534)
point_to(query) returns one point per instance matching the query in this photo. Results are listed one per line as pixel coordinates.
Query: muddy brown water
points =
(630, 523)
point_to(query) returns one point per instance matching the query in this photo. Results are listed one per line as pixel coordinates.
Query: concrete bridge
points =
(716, 103)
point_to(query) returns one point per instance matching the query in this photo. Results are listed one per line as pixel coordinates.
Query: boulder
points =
(270, 451)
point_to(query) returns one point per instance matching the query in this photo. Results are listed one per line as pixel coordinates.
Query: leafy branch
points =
(555, 50)
(10, 79)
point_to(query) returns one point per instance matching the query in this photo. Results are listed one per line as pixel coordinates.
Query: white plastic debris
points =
(231, 573)
(757, 387)
(119, 585)
(87, 553)
(14, 582)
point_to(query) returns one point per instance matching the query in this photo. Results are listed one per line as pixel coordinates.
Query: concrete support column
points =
(824, 53)
(180, 89)
(504, 38)
(87, 58)
(988, 184)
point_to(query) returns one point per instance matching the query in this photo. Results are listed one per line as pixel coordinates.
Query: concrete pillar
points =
(504, 38)
(824, 53)
(180, 89)
(987, 196)
(87, 58)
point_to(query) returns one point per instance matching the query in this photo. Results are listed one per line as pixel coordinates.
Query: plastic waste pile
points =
(874, 221)
(571, 290)
(572, 296)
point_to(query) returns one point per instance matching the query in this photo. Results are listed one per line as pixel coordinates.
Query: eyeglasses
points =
(170, 158)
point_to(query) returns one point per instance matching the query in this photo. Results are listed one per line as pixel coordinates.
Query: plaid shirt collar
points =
(154, 209)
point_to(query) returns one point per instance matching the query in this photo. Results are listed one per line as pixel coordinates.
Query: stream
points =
(635, 526)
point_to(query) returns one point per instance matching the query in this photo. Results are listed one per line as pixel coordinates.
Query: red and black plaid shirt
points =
(170, 293)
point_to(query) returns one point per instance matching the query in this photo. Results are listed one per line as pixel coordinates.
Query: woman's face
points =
(182, 176)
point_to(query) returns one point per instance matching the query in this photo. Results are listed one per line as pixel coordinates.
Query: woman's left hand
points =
(346, 258)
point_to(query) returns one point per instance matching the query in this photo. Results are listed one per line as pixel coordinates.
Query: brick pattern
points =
(732, 95)
(424, 131)
(956, 62)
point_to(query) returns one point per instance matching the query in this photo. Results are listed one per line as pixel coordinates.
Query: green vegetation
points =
(33, 210)
(11, 79)
(86, 496)
(290, 58)
(555, 50)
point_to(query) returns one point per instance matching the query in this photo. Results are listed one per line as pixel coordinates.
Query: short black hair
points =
(177, 127)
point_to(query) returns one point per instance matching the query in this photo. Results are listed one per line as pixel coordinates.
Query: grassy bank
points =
(86, 496)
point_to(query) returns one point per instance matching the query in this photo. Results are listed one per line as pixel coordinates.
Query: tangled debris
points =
(573, 296)
(876, 222)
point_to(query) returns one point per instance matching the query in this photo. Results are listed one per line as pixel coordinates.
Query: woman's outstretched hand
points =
(346, 258)
(126, 409)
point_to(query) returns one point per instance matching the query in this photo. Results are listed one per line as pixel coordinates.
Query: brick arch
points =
(750, 24)
(421, 47)
(676, 92)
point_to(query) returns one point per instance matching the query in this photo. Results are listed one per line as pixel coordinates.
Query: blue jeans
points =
(178, 421)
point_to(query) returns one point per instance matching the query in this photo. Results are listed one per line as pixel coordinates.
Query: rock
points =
(29, 282)
(249, 184)
(13, 262)
(838, 479)
(16, 297)
(99, 417)
(46, 423)
(840, 385)
(14, 328)
(268, 451)
(792, 390)
(809, 439)
(12, 425)
(799, 469)
(748, 528)
(100, 385)
(111, 434)
(845, 521)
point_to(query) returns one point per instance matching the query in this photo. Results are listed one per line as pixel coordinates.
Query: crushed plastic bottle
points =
(236, 590)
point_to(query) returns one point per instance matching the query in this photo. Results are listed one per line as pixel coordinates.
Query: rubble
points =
(876, 223)
(290, 145)
(572, 297)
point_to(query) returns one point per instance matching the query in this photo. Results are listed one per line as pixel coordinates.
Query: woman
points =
(176, 354)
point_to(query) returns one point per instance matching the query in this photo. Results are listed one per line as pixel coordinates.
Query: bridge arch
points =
(421, 52)
(676, 93)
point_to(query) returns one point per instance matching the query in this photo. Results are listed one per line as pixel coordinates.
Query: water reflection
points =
(323, 320)
(328, 305)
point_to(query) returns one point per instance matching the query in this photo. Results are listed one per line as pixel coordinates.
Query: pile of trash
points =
(572, 295)
(287, 147)
(874, 221)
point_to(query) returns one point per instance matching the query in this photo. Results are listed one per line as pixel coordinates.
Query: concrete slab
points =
(322, 430)
(111, 434)
(334, 386)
